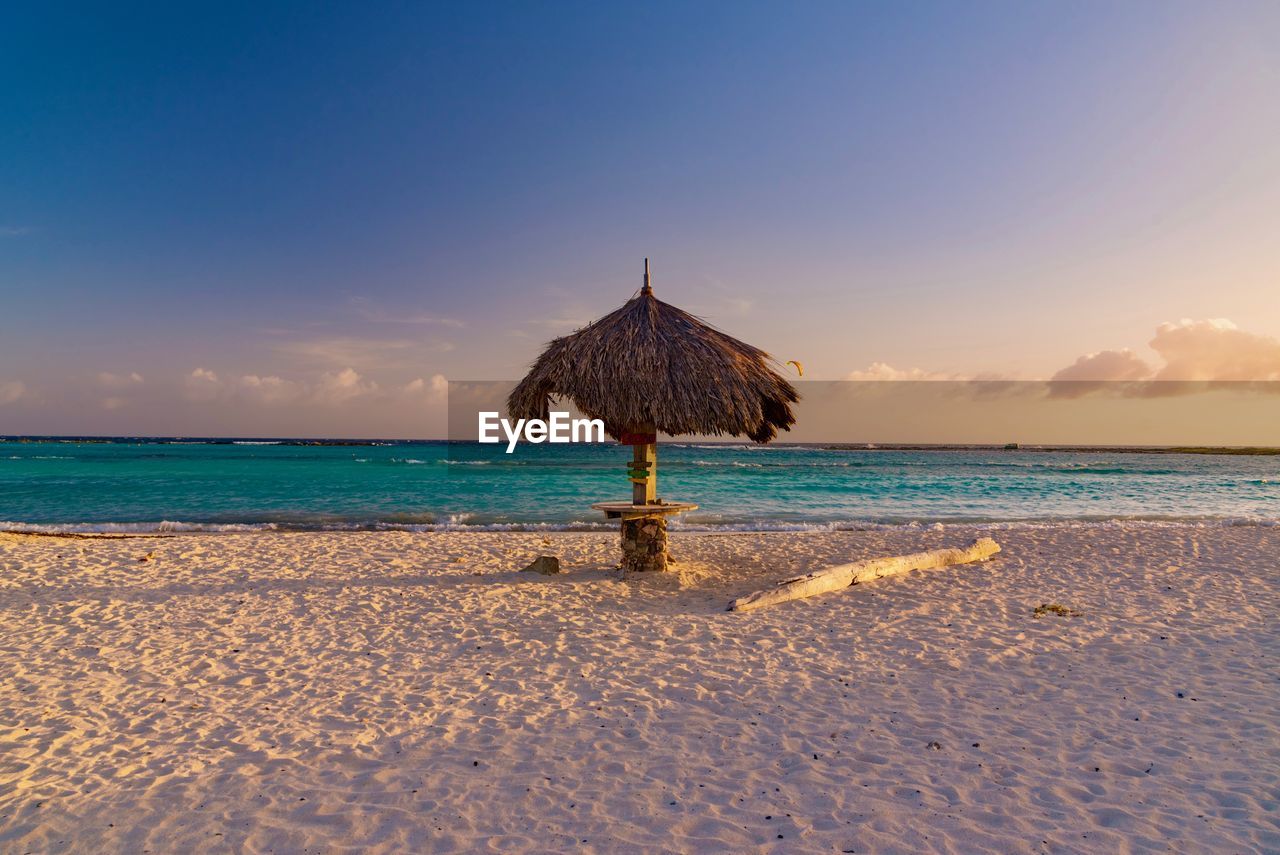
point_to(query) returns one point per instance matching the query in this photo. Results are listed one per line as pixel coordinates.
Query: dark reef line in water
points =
(1068, 449)
(216, 440)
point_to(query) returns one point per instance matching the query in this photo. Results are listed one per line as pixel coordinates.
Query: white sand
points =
(406, 692)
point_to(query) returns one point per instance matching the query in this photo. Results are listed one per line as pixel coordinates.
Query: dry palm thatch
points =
(650, 366)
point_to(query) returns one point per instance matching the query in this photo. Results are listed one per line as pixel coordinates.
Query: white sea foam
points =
(466, 522)
(162, 527)
(742, 464)
(576, 525)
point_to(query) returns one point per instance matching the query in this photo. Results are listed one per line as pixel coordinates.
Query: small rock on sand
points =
(544, 564)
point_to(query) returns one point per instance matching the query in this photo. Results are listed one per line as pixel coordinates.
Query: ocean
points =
(142, 485)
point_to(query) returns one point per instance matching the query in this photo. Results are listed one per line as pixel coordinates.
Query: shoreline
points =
(395, 691)
(168, 528)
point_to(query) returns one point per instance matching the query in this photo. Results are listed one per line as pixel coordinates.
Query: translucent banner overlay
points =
(986, 413)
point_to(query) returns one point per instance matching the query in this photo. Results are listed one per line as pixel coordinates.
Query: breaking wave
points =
(468, 523)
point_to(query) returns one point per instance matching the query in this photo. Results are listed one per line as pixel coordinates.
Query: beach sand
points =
(397, 692)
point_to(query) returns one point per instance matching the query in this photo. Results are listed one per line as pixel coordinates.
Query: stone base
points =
(644, 545)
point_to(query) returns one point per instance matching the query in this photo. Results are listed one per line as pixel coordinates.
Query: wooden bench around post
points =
(644, 532)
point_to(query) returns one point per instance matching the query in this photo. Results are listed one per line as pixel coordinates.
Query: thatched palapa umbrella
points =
(648, 368)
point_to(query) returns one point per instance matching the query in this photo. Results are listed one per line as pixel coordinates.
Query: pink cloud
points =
(1105, 366)
(1214, 350)
(1193, 352)
(882, 371)
(11, 390)
(434, 389)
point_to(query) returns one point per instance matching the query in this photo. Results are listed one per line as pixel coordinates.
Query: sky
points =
(288, 219)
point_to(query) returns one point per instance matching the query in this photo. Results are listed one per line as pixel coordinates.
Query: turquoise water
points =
(149, 485)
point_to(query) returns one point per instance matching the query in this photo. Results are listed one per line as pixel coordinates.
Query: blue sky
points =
(324, 210)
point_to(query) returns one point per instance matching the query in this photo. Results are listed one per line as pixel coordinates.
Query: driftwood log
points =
(844, 575)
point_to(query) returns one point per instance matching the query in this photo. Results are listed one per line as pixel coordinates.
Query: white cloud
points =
(344, 350)
(14, 231)
(435, 389)
(202, 385)
(11, 391)
(423, 319)
(339, 352)
(1213, 350)
(339, 386)
(270, 389)
(331, 387)
(1207, 351)
(562, 324)
(884, 371)
(108, 380)
(1093, 371)
(1105, 366)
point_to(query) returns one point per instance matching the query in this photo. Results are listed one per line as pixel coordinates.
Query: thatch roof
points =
(651, 366)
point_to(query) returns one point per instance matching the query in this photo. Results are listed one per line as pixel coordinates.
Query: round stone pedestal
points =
(644, 544)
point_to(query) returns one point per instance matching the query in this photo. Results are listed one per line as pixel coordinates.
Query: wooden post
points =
(643, 469)
(644, 538)
(644, 458)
